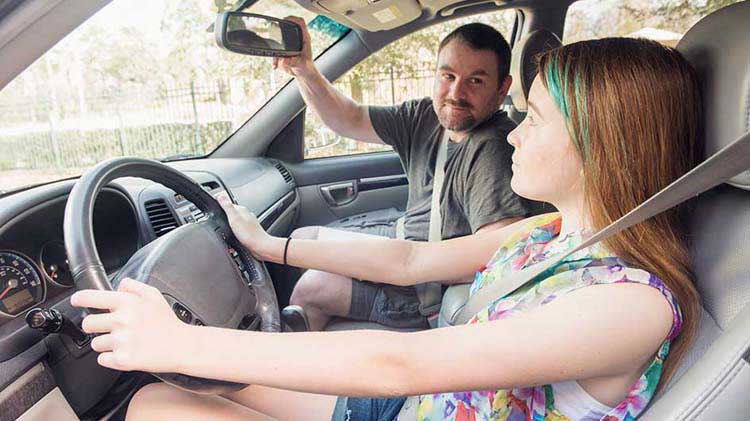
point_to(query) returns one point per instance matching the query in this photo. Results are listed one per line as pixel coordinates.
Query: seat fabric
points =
(713, 380)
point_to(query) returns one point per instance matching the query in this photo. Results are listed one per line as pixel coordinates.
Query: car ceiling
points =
(384, 15)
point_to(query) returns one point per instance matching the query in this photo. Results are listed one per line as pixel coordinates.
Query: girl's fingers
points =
(107, 360)
(228, 207)
(98, 323)
(139, 288)
(103, 300)
(103, 343)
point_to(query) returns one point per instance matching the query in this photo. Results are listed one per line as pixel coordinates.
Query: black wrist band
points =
(286, 248)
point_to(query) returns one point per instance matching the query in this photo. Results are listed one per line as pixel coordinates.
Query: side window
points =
(664, 21)
(401, 71)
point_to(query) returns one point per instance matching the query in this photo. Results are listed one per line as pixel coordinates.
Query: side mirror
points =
(257, 35)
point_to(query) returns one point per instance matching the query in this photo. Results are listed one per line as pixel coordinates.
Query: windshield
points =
(140, 78)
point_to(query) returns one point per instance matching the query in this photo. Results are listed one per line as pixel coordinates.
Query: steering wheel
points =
(201, 268)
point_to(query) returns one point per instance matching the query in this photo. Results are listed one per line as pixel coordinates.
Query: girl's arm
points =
(396, 262)
(601, 331)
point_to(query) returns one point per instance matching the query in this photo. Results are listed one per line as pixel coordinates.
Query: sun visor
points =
(370, 15)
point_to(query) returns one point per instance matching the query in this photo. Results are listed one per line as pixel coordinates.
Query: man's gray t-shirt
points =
(476, 190)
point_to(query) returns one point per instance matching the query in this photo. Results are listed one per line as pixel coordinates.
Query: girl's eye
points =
(447, 76)
(530, 119)
(476, 81)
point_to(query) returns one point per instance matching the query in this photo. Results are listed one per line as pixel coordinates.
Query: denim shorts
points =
(389, 305)
(381, 223)
(367, 409)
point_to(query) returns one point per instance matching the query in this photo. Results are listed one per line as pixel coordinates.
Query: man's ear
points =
(503, 89)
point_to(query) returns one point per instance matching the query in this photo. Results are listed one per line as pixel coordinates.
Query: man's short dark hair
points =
(479, 36)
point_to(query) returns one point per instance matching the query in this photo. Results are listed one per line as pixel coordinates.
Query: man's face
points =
(467, 90)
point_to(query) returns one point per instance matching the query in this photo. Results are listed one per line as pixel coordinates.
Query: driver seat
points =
(714, 378)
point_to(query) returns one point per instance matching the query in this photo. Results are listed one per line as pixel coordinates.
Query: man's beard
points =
(465, 124)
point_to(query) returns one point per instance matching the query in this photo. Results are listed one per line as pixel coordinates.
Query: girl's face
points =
(546, 165)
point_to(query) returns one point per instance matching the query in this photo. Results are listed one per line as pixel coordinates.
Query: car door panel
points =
(338, 187)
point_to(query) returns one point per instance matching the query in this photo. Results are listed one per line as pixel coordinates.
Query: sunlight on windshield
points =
(141, 78)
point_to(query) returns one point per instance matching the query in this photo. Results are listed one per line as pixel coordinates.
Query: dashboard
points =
(128, 214)
(33, 262)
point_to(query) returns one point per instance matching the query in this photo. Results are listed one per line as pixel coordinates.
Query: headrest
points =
(523, 64)
(719, 48)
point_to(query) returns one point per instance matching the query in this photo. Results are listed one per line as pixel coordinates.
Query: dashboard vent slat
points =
(161, 218)
(284, 172)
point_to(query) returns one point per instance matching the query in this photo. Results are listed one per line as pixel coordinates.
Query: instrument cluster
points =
(24, 281)
(21, 282)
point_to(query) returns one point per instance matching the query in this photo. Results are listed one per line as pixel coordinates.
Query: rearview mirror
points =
(257, 35)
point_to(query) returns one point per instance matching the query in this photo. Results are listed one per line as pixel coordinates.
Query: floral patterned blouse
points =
(594, 265)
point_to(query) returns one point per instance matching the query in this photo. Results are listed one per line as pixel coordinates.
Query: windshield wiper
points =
(179, 157)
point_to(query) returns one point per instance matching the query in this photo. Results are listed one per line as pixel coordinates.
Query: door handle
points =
(340, 194)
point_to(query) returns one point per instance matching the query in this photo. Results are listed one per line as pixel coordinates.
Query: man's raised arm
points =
(337, 111)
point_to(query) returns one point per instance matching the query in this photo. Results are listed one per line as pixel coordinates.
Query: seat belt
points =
(723, 165)
(430, 294)
(400, 230)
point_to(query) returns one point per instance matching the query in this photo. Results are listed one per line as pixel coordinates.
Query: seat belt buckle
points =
(433, 320)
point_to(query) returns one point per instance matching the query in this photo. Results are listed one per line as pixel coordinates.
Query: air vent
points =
(162, 219)
(210, 186)
(284, 172)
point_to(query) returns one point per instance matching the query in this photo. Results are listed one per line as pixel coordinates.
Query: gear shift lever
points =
(295, 318)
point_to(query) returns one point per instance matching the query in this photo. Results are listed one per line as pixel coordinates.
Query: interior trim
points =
(35, 26)
(26, 392)
(375, 183)
(53, 406)
(277, 209)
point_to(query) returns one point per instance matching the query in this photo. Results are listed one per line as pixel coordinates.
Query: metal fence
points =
(77, 131)
(385, 87)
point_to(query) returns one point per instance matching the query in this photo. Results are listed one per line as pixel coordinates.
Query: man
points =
(471, 81)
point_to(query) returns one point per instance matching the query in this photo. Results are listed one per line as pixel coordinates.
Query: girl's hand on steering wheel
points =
(245, 226)
(140, 331)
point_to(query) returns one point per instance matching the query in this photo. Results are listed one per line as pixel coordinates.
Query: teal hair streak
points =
(558, 88)
(582, 107)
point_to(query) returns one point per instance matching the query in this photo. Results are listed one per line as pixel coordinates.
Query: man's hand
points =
(337, 111)
(301, 65)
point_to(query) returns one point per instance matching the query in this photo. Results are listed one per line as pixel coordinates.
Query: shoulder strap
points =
(436, 219)
(430, 294)
(723, 165)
